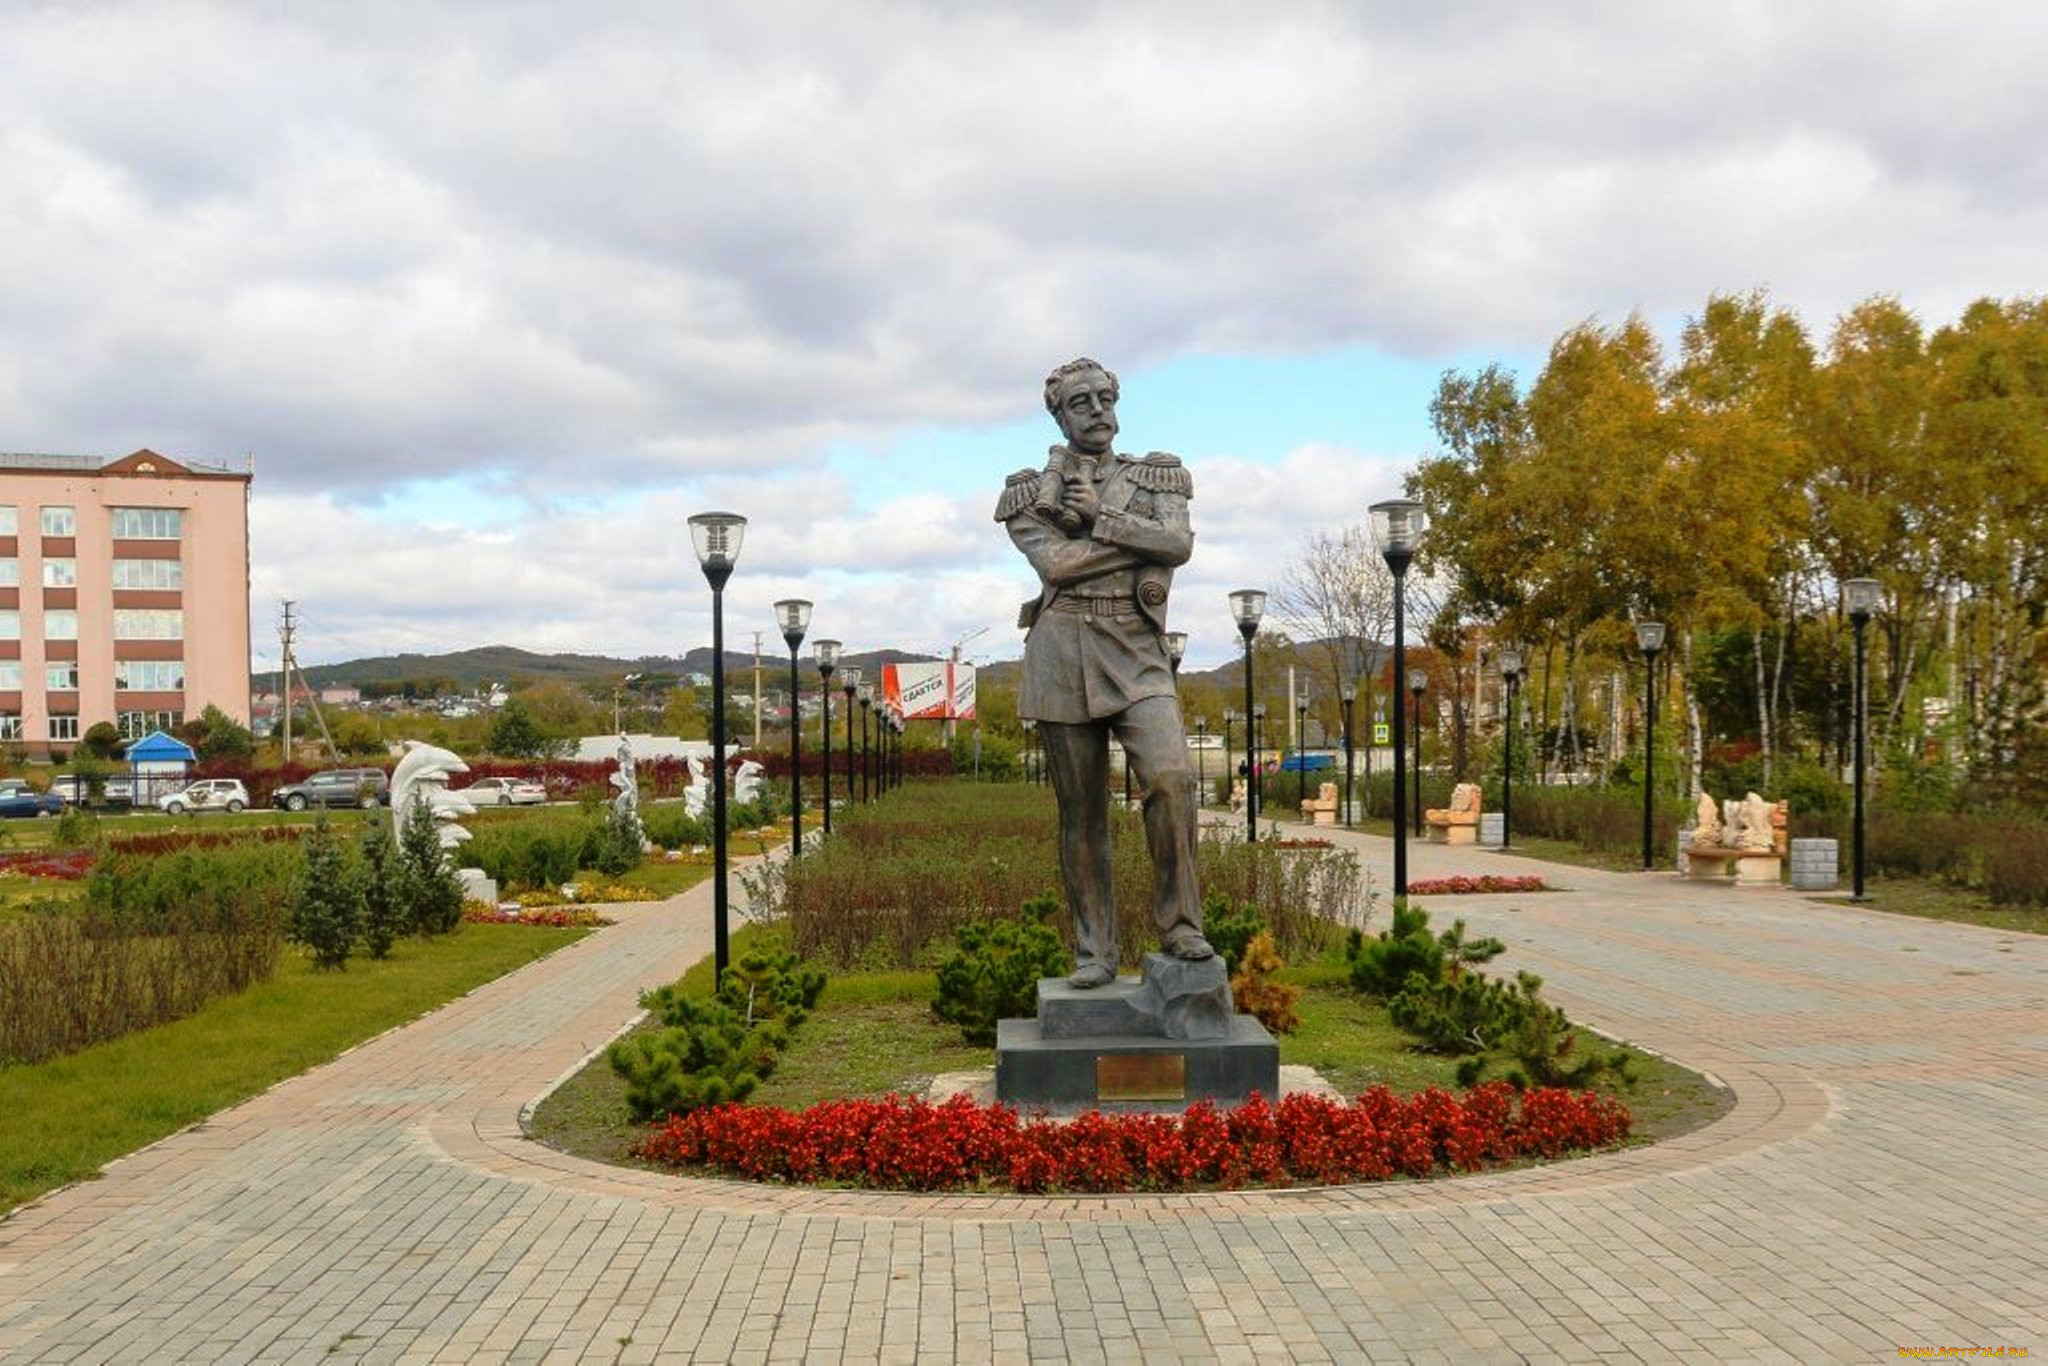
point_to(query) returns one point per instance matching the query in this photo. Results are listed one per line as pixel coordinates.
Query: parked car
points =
(504, 792)
(17, 798)
(78, 792)
(208, 794)
(364, 787)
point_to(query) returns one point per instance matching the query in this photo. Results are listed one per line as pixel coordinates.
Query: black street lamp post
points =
(1247, 605)
(826, 653)
(1511, 674)
(1863, 595)
(1397, 526)
(1201, 762)
(849, 688)
(1030, 740)
(1255, 736)
(1418, 683)
(866, 697)
(1350, 696)
(1649, 639)
(716, 537)
(793, 615)
(1300, 749)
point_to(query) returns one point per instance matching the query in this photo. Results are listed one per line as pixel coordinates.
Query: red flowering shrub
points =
(1460, 886)
(65, 865)
(559, 917)
(899, 1144)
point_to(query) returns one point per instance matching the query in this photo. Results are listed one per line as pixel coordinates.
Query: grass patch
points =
(1939, 901)
(69, 1116)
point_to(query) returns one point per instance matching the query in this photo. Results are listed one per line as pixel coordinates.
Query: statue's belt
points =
(1097, 604)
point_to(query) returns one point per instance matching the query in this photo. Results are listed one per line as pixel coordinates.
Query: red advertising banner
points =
(930, 692)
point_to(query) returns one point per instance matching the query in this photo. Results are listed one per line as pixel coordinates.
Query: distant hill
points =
(510, 664)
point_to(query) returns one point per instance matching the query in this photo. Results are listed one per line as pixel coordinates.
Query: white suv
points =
(208, 794)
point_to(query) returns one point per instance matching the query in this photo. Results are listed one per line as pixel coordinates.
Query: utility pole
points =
(757, 690)
(284, 676)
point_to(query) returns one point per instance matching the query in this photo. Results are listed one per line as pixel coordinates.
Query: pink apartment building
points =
(124, 595)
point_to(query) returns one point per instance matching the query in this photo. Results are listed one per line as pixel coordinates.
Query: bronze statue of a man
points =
(1105, 533)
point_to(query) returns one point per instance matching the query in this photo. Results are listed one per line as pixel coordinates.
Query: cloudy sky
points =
(496, 295)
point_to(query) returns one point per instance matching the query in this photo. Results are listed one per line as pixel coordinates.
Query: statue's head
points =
(1081, 396)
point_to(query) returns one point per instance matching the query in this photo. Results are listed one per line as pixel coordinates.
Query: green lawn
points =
(65, 1118)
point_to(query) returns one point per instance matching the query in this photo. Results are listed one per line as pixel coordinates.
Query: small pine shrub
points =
(433, 896)
(772, 984)
(384, 906)
(77, 828)
(1258, 995)
(706, 1055)
(994, 971)
(327, 909)
(1381, 964)
(617, 843)
(1228, 930)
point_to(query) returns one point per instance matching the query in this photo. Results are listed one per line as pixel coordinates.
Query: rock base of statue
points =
(477, 885)
(1160, 1041)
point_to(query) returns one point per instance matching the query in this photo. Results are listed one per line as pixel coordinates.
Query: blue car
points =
(17, 798)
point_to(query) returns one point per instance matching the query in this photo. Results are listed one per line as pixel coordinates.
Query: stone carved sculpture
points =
(746, 782)
(1749, 824)
(1104, 533)
(698, 794)
(422, 775)
(626, 800)
(1707, 830)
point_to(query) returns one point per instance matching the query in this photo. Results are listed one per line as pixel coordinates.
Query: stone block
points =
(477, 885)
(1173, 999)
(1134, 1072)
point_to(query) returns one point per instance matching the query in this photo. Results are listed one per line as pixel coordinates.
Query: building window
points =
(10, 725)
(60, 625)
(64, 726)
(149, 675)
(136, 724)
(10, 521)
(60, 573)
(10, 675)
(149, 623)
(59, 521)
(149, 573)
(10, 626)
(61, 676)
(10, 573)
(149, 524)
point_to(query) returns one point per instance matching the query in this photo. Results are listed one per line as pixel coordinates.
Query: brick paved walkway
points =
(1882, 1182)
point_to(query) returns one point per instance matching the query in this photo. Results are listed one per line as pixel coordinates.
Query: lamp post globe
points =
(1176, 647)
(716, 537)
(793, 615)
(1864, 596)
(1247, 605)
(826, 655)
(1511, 674)
(1397, 525)
(1418, 683)
(1650, 640)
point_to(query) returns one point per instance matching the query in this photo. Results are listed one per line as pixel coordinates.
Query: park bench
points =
(1746, 843)
(1321, 809)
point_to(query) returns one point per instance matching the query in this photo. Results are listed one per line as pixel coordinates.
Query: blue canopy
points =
(159, 748)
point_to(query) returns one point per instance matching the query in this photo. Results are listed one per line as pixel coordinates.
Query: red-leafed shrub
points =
(900, 1144)
(64, 865)
(1463, 886)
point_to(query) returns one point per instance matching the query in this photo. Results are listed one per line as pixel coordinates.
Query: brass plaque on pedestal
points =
(1141, 1076)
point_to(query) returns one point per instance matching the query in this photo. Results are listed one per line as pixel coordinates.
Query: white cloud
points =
(602, 251)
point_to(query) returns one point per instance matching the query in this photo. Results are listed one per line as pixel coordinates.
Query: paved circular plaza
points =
(1880, 1184)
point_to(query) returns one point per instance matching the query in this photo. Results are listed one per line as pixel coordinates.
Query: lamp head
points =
(716, 537)
(1259, 712)
(1397, 526)
(793, 615)
(1511, 664)
(1247, 605)
(1650, 637)
(1418, 682)
(1176, 646)
(826, 652)
(1864, 596)
(849, 681)
(867, 695)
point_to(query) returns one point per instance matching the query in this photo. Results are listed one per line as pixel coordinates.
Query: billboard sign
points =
(937, 691)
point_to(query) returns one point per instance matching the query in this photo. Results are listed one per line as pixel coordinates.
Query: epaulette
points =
(1163, 473)
(1018, 492)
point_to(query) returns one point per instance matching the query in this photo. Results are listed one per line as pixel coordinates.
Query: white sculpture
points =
(746, 784)
(1749, 824)
(422, 774)
(1707, 830)
(626, 801)
(698, 793)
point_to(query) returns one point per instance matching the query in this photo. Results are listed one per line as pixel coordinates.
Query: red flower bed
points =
(898, 1144)
(1459, 886)
(66, 865)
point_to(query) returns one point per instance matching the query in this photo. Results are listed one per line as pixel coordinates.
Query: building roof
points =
(144, 462)
(157, 747)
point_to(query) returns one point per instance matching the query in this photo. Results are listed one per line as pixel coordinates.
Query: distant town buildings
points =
(124, 595)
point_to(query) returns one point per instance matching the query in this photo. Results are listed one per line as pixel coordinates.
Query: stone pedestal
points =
(1159, 1041)
(477, 885)
(1492, 830)
(1816, 864)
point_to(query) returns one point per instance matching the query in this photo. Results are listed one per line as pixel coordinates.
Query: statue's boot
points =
(1091, 975)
